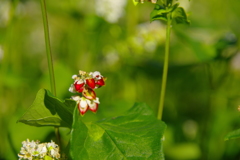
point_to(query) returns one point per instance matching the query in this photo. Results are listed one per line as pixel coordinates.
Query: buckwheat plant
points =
(135, 134)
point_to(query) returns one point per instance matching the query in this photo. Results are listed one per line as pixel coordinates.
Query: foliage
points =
(178, 14)
(135, 134)
(111, 137)
(202, 92)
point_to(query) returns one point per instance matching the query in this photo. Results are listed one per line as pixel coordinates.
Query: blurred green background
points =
(117, 39)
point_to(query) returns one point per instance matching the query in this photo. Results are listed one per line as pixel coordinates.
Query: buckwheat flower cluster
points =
(34, 150)
(84, 84)
(142, 1)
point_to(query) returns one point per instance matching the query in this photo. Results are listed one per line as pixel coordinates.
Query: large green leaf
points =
(233, 135)
(135, 135)
(48, 110)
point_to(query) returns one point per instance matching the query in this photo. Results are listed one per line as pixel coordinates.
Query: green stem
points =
(165, 68)
(48, 48)
(49, 58)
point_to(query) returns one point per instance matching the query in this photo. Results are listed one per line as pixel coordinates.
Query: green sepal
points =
(48, 110)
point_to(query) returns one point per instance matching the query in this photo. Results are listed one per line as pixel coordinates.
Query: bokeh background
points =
(117, 39)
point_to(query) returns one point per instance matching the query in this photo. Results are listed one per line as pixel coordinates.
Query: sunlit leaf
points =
(233, 135)
(135, 135)
(48, 110)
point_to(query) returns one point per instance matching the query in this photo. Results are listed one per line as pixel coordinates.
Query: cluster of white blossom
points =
(148, 36)
(34, 150)
(111, 10)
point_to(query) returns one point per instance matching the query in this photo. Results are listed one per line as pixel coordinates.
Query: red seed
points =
(79, 87)
(91, 83)
(100, 82)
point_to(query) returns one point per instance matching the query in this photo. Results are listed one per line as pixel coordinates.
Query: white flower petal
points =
(72, 89)
(93, 106)
(97, 75)
(76, 98)
(96, 100)
(83, 104)
(74, 76)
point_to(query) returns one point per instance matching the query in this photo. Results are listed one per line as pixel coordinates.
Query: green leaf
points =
(48, 110)
(175, 6)
(179, 16)
(233, 135)
(159, 13)
(135, 135)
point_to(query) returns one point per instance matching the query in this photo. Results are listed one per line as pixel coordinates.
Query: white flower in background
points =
(111, 10)
(1, 53)
(148, 36)
(4, 12)
(185, 4)
(35, 151)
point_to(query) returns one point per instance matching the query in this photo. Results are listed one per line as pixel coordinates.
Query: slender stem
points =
(165, 68)
(48, 47)
(50, 59)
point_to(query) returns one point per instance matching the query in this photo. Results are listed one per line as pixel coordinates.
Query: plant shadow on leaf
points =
(137, 134)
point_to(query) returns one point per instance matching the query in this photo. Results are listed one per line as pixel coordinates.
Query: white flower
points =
(96, 75)
(72, 88)
(111, 10)
(84, 104)
(33, 150)
(42, 150)
(74, 76)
